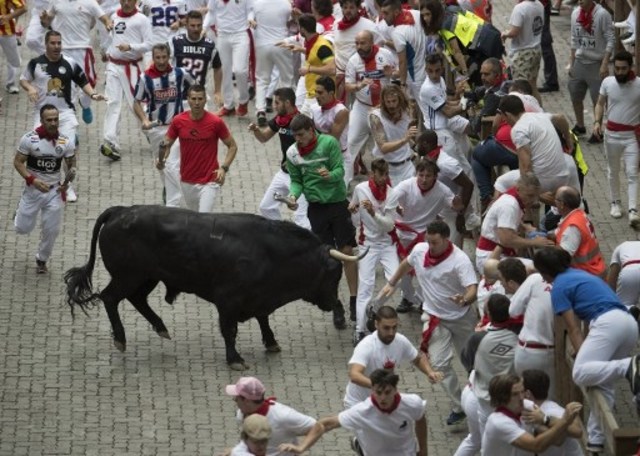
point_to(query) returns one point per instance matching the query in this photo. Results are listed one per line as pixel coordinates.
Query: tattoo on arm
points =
(377, 130)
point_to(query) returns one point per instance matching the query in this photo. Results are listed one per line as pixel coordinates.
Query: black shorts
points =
(331, 222)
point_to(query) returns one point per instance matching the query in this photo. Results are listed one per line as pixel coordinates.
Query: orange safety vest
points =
(588, 256)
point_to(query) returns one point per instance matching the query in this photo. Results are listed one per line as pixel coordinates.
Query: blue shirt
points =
(587, 295)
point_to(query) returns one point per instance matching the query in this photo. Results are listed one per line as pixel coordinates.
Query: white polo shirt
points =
(433, 96)
(442, 281)
(373, 354)
(533, 299)
(411, 38)
(370, 231)
(499, 432)
(386, 434)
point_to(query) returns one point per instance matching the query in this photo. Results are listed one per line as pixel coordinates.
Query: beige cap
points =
(256, 427)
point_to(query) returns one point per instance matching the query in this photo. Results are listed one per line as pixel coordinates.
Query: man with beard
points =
(621, 96)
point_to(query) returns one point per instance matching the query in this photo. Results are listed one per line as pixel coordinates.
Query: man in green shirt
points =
(316, 169)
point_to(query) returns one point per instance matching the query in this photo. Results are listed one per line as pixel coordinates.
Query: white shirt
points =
(241, 449)
(440, 282)
(373, 354)
(433, 96)
(393, 131)
(570, 447)
(529, 17)
(533, 299)
(536, 131)
(623, 101)
(386, 434)
(344, 41)
(271, 17)
(370, 229)
(627, 251)
(419, 209)
(324, 120)
(484, 293)
(411, 38)
(357, 70)
(450, 169)
(499, 433)
(74, 20)
(229, 17)
(133, 30)
(505, 212)
(161, 14)
(44, 157)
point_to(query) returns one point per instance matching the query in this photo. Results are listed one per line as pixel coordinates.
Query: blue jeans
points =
(487, 154)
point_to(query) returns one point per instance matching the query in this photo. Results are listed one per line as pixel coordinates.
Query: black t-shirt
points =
(286, 140)
(196, 56)
(55, 79)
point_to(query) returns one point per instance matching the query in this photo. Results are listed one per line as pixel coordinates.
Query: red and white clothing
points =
(374, 234)
(535, 348)
(231, 21)
(401, 167)
(123, 68)
(620, 142)
(198, 157)
(499, 434)
(323, 119)
(485, 291)
(409, 36)
(373, 354)
(382, 433)
(627, 255)
(44, 161)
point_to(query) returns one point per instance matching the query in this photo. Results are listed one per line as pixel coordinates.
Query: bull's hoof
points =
(339, 322)
(164, 334)
(273, 348)
(121, 346)
(239, 366)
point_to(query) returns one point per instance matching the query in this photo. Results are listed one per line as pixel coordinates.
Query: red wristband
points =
(30, 178)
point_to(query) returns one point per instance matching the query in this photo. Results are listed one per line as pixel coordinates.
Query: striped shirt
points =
(6, 7)
(163, 93)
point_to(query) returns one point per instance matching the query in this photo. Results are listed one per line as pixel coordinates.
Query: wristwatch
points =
(225, 168)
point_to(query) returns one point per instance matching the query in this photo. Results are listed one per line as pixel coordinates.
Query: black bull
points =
(246, 265)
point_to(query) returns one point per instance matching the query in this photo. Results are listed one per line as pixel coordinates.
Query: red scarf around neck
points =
(264, 407)
(285, 120)
(327, 23)
(404, 18)
(585, 18)
(379, 193)
(513, 191)
(44, 134)
(308, 44)
(331, 104)
(372, 54)
(153, 72)
(344, 24)
(121, 13)
(390, 410)
(434, 260)
(434, 154)
(509, 413)
(306, 150)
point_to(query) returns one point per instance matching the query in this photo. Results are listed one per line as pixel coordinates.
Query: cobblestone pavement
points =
(66, 390)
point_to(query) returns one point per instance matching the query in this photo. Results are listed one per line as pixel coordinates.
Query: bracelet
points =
(29, 179)
(93, 95)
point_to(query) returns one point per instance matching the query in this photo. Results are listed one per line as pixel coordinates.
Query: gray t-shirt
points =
(529, 17)
(494, 357)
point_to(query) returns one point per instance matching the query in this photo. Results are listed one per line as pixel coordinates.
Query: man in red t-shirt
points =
(199, 131)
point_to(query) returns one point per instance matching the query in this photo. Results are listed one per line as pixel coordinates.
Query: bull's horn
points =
(338, 255)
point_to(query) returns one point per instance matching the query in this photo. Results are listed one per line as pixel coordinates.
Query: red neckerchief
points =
(513, 191)
(407, 7)
(308, 44)
(121, 13)
(390, 410)
(331, 104)
(372, 55)
(379, 193)
(422, 192)
(632, 76)
(306, 150)
(153, 72)
(264, 407)
(285, 120)
(344, 24)
(499, 81)
(431, 260)
(327, 23)
(44, 134)
(509, 413)
(585, 18)
(404, 18)
(433, 154)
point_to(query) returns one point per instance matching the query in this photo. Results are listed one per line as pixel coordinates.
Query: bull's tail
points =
(78, 280)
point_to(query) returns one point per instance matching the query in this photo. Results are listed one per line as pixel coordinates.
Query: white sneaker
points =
(12, 88)
(72, 197)
(616, 211)
(634, 219)
(621, 25)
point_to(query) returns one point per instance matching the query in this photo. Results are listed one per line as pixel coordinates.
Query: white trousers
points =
(448, 336)
(270, 208)
(234, 55)
(200, 197)
(603, 358)
(170, 175)
(301, 96)
(80, 56)
(51, 206)
(118, 86)
(471, 444)
(268, 58)
(398, 173)
(622, 145)
(537, 358)
(628, 286)
(387, 256)
(409, 292)
(9, 45)
(34, 38)
(359, 129)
